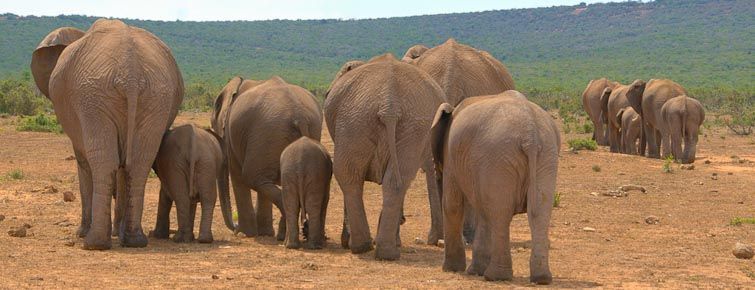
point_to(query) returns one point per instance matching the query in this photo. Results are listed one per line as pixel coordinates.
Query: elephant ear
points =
(223, 103)
(345, 68)
(45, 56)
(619, 115)
(439, 132)
(414, 52)
(634, 95)
(604, 104)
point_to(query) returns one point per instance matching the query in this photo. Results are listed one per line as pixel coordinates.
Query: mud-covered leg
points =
(433, 194)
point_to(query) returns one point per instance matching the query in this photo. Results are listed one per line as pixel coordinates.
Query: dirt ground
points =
(690, 247)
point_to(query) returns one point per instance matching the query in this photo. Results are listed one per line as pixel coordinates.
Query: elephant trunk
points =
(225, 197)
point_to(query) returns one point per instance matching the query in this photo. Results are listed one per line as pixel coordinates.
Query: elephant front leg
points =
(433, 194)
(266, 193)
(453, 217)
(162, 223)
(653, 142)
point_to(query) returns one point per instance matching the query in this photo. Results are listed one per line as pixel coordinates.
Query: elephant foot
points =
(293, 244)
(183, 237)
(476, 269)
(97, 243)
(387, 253)
(361, 248)
(82, 231)
(248, 231)
(468, 234)
(433, 237)
(454, 266)
(496, 273)
(314, 245)
(266, 230)
(134, 240)
(542, 279)
(159, 234)
(205, 239)
(345, 238)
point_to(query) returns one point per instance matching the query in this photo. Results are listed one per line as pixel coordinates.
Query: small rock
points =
(69, 243)
(68, 196)
(567, 223)
(743, 251)
(616, 193)
(714, 177)
(588, 229)
(742, 160)
(622, 173)
(594, 193)
(699, 183)
(50, 189)
(229, 278)
(69, 158)
(2, 217)
(652, 220)
(714, 174)
(441, 244)
(707, 162)
(27, 225)
(215, 277)
(309, 266)
(418, 241)
(687, 167)
(36, 279)
(630, 187)
(730, 173)
(18, 232)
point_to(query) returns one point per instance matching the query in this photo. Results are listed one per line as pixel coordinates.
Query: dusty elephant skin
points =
(683, 117)
(631, 130)
(189, 165)
(500, 154)
(591, 104)
(306, 170)
(461, 71)
(379, 115)
(258, 120)
(115, 90)
(647, 99)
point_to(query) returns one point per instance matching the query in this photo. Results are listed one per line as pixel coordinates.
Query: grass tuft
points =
(39, 123)
(582, 144)
(16, 174)
(738, 221)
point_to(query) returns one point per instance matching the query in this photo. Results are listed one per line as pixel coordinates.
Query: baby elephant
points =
(306, 170)
(683, 116)
(189, 163)
(631, 130)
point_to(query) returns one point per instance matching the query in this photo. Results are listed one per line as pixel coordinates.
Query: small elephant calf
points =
(306, 169)
(683, 117)
(631, 130)
(189, 163)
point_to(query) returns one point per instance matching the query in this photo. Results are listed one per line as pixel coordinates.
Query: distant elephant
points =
(115, 90)
(259, 119)
(612, 101)
(498, 153)
(306, 170)
(379, 116)
(591, 103)
(631, 130)
(648, 99)
(189, 165)
(461, 71)
(683, 117)
(414, 52)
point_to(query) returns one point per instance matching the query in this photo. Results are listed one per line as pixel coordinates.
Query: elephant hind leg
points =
(358, 232)
(496, 196)
(162, 223)
(267, 192)
(104, 165)
(85, 189)
(453, 217)
(208, 196)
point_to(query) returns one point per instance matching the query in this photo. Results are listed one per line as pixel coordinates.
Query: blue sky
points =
(204, 10)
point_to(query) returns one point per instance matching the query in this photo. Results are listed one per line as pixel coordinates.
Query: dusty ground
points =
(690, 247)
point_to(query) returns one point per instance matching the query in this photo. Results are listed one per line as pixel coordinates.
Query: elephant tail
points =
(683, 117)
(534, 198)
(301, 127)
(390, 123)
(192, 159)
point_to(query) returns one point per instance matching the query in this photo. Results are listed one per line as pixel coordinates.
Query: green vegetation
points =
(39, 123)
(742, 111)
(16, 174)
(667, 162)
(596, 168)
(557, 199)
(553, 52)
(18, 97)
(582, 144)
(738, 221)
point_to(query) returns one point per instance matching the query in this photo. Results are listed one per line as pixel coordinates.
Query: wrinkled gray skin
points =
(499, 154)
(683, 117)
(306, 169)
(612, 101)
(379, 116)
(414, 52)
(631, 130)
(461, 71)
(648, 99)
(115, 90)
(591, 103)
(189, 164)
(258, 120)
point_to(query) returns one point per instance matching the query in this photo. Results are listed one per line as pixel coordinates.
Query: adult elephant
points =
(613, 101)
(461, 71)
(115, 90)
(648, 99)
(498, 153)
(683, 117)
(591, 103)
(379, 116)
(258, 120)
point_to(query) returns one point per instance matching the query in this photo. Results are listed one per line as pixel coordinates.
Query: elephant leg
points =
(675, 140)
(272, 193)
(358, 228)
(136, 177)
(242, 193)
(264, 215)
(388, 238)
(103, 162)
(652, 142)
(643, 142)
(345, 235)
(690, 144)
(208, 197)
(539, 217)
(469, 223)
(453, 217)
(316, 238)
(480, 247)
(614, 139)
(433, 194)
(666, 148)
(292, 206)
(184, 212)
(162, 223)
(85, 189)
(500, 267)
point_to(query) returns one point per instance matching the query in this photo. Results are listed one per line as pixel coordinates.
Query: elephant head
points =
(414, 52)
(345, 68)
(604, 104)
(45, 56)
(223, 104)
(634, 95)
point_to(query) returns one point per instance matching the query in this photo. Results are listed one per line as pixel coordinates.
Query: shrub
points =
(39, 123)
(18, 97)
(581, 144)
(586, 128)
(742, 111)
(199, 97)
(667, 164)
(16, 174)
(557, 199)
(738, 221)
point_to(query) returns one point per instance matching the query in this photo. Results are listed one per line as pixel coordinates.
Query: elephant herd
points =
(488, 153)
(657, 115)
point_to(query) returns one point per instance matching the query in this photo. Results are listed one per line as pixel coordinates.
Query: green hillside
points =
(705, 45)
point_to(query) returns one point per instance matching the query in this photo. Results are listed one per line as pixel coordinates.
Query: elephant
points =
(631, 130)
(189, 165)
(648, 99)
(461, 71)
(612, 101)
(259, 119)
(115, 90)
(379, 116)
(683, 117)
(591, 103)
(499, 153)
(306, 169)
(414, 52)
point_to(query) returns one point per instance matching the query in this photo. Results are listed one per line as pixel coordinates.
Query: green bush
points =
(18, 97)
(586, 128)
(667, 164)
(738, 221)
(16, 174)
(199, 97)
(39, 123)
(557, 199)
(582, 144)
